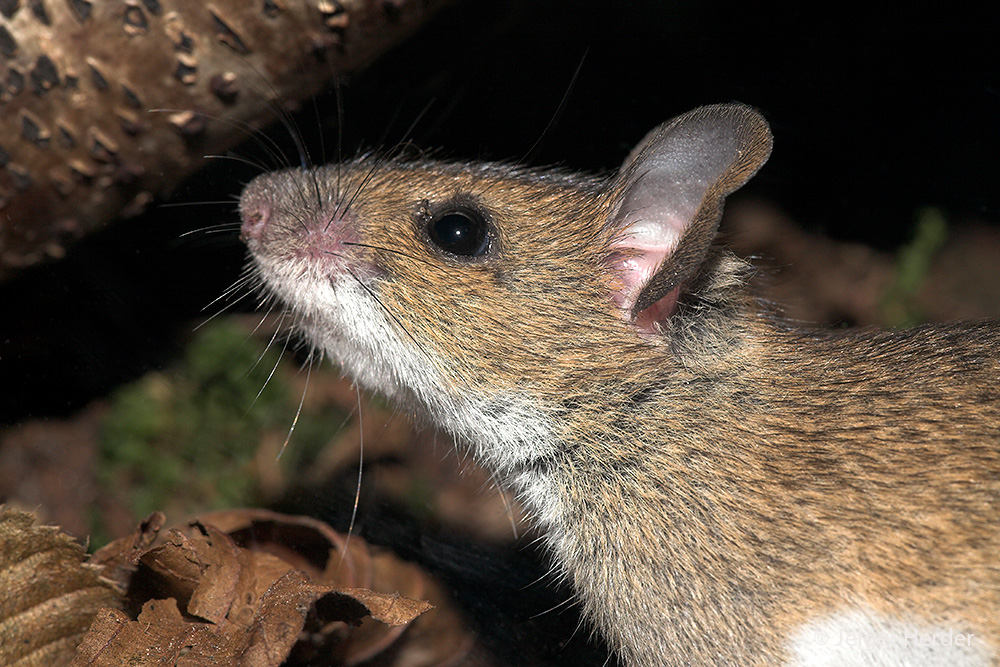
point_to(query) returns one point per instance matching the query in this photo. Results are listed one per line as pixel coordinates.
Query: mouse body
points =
(720, 487)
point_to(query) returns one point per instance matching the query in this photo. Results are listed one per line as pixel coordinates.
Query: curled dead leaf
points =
(48, 594)
(391, 609)
(261, 589)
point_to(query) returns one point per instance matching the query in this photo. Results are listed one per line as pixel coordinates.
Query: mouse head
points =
(488, 296)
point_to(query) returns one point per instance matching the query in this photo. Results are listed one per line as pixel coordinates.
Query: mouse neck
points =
(659, 450)
(704, 491)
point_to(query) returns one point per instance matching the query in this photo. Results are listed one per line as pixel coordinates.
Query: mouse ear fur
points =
(670, 193)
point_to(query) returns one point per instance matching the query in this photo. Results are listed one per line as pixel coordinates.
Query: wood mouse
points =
(719, 486)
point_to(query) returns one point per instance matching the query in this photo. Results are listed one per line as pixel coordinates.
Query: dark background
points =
(875, 114)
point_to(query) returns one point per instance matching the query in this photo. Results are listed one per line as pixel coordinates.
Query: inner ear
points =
(668, 201)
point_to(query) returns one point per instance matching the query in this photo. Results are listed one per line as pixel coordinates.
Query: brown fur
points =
(728, 479)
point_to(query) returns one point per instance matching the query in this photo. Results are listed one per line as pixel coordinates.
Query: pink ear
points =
(639, 251)
(669, 201)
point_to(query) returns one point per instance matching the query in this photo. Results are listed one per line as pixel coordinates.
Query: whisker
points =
(265, 317)
(280, 113)
(277, 329)
(270, 342)
(361, 463)
(405, 139)
(558, 111)
(390, 250)
(298, 413)
(263, 139)
(240, 283)
(267, 381)
(239, 159)
(314, 179)
(379, 161)
(343, 207)
(339, 98)
(552, 120)
(568, 602)
(391, 315)
(248, 278)
(213, 229)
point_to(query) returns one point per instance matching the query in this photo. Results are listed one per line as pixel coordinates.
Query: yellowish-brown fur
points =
(724, 480)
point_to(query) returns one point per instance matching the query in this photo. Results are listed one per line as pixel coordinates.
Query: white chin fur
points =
(507, 430)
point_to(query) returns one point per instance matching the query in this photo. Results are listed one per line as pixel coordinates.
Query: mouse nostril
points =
(254, 221)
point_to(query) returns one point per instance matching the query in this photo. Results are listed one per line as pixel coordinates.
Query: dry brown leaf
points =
(437, 637)
(204, 569)
(162, 635)
(118, 558)
(391, 609)
(259, 589)
(48, 595)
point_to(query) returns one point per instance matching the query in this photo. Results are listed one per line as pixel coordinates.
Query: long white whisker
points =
(361, 464)
(269, 375)
(298, 413)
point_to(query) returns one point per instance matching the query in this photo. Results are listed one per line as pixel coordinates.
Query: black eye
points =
(462, 233)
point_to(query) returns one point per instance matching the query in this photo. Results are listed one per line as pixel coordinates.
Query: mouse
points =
(719, 486)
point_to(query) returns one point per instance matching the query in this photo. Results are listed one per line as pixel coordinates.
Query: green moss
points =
(913, 262)
(184, 440)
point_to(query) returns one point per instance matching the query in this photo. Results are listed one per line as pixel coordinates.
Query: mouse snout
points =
(288, 216)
